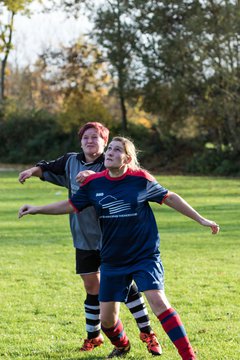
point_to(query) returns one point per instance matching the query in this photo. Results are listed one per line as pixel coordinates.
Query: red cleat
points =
(153, 345)
(90, 344)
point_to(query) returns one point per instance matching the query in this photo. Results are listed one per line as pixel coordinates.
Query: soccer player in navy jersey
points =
(67, 171)
(130, 242)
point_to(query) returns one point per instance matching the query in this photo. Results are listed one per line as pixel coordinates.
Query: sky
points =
(40, 31)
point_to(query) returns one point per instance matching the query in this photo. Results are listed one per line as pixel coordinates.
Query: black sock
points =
(135, 303)
(92, 315)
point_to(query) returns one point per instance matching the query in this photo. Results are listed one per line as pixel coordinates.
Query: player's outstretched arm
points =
(176, 202)
(58, 208)
(26, 174)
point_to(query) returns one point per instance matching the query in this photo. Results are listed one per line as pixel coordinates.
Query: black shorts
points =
(87, 261)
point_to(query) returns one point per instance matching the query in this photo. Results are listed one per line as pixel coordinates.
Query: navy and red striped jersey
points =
(128, 225)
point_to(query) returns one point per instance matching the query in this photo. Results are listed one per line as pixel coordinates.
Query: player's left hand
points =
(215, 227)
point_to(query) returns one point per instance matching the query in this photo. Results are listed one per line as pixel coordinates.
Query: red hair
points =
(101, 129)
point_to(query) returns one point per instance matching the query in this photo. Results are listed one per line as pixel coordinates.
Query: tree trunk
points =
(7, 44)
(2, 81)
(122, 99)
(124, 113)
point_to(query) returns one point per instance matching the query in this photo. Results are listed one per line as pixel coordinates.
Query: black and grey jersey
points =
(62, 172)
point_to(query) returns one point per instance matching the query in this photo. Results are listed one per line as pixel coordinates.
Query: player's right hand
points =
(24, 175)
(26, 210)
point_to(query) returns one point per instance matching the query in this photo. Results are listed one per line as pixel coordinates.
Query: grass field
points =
(41, 298)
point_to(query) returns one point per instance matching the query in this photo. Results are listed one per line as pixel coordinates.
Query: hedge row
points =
(27, 138)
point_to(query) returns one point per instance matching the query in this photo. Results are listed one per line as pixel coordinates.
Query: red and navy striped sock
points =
(174, 328)
(117, 335)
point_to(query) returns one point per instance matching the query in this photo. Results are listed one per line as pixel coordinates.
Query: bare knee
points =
(109, 312)
(91, 283)
(107, 323)
(157, 301)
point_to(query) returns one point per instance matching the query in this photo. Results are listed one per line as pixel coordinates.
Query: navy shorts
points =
(148, 274)
(87, 261)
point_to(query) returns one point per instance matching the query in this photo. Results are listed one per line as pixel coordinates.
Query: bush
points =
(28, 137)
(214, 162)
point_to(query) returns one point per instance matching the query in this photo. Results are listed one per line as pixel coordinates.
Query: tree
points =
(61, 78)
(30, 88)
(220, 54)
(190, 52)
(115, 32)
(78, 68)
(71, 7)
(164, 48)
(8, 9)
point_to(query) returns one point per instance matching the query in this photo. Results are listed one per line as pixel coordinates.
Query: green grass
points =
(42, 299)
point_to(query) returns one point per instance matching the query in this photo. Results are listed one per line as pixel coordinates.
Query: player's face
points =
(92, 144)
(115, 156)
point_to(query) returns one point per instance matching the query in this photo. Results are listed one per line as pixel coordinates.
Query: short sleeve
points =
(156, 192)
(80, 199)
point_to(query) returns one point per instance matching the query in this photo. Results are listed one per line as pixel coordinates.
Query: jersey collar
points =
(81, 157)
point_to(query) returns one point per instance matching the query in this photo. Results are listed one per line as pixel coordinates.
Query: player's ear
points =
(128, 159)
